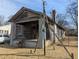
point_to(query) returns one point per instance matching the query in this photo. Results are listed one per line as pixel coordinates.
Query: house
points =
(5, 29)
(28, 29)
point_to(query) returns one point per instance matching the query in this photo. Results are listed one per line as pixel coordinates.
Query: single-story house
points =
(28, 29)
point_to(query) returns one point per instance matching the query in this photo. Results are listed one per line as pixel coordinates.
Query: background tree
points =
(60, 19)
(1, 20)
(6, 21)
(72, 11)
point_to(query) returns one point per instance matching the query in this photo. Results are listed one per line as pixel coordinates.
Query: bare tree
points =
(60, 18)
(1, 20)
(72, 11)
(10, 16)
(6, 22)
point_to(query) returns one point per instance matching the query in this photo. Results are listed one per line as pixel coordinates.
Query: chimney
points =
(53, 15)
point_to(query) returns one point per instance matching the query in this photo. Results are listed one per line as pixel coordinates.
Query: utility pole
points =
(42, 23)
(44, 18)
(44, 12)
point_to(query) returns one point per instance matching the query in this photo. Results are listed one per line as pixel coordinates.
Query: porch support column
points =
(13, 32)
(42, 33)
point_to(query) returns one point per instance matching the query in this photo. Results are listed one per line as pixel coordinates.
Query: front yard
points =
(25, 53)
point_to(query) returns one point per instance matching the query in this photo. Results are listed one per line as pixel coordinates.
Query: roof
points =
(23, 9)
(61, 27)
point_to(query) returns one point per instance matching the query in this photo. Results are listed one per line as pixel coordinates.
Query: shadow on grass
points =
(7, 46)
(68, 45)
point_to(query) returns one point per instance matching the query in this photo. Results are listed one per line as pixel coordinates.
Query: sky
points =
(10, 7)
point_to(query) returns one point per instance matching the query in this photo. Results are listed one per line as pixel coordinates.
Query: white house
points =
(5, 29)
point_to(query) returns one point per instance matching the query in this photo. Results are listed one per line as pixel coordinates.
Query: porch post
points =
(42, 33)
(13, 32)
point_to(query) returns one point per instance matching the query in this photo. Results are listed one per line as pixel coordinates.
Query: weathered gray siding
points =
(42, 33)
(13, 32)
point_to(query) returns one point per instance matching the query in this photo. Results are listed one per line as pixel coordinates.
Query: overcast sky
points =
(10, 7)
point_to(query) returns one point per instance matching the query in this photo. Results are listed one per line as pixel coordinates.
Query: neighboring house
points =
(29, 28)
(5, 29)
